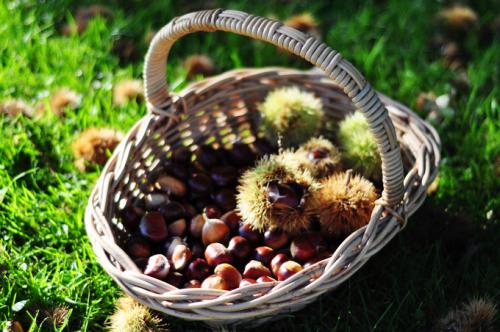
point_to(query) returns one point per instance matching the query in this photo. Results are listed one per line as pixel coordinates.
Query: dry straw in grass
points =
(127, 90)
(360, 149)
(256, 207)
(476, 316)
(345, 203)
(290, 115)
(131, 316)
(199, 64)
(15, 107)
(94, 146)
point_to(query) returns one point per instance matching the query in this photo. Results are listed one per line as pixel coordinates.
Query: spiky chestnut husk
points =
(199, 64)
(255, 206)
(62, 99)
(345, 202)
(477, 315)
(132, 316)
(15, 107)
(320, 156)
(291, 115)
(93, 146)
(458, 19)
(83, 16)
(360, 150)
(304, 22)
(127, 90)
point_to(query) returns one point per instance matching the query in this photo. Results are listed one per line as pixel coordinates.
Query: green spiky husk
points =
(291, 115)
(360, 148)
(323, 167)
(253, 203)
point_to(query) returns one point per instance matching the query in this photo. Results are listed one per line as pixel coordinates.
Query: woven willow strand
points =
(344, 74)
(224, 97)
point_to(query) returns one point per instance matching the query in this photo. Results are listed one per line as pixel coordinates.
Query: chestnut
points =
(229, 273)
(255, 269)
(225, 198)
(318, 258)
(224, 175)
(247, 281)
(154, 201)
(192, 284)
(175, 279)
(137, 247)
(200, 183)
(197, 249)
(157, 266)
(239, 247)
(170, 245)
(215, 282)
(177, 228)
(302, 249)
(198, 269)
(252, 235)
(263, 279)
(181, 256)
(277, 261)
(241, 154)
(288, 269)
(263, 254)
(206, 156)
(275, 238)
(211, 212)
(172, 211)
(190, 210)
(171, 185)
(196, 225)
(181, 155)
(284, 196)
(153, 226)
(216, 254)
(214, 230)
(130, 218)
(232, 220)
(177, 170)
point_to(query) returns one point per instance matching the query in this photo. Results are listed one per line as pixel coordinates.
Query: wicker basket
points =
(222, 109)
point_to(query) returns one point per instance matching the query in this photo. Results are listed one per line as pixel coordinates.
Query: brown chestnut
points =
(196, 225)
(137, 247)
(263, 279)
(241, 154)
(302, 249)
(181, 155)
(224, 175)
(171, 185)
(275, 238)
(154, 201)
(200, 183)
(229, 273)
(175, 279)
(232, 220)
(214, 230)
(216, 254)
(153, 226)
(277, 261)
(252, 235)
(215, 282)
(239, 247)
(206, 156)
(171, 244)
(172, 211)
(157, 266)
(318, 258)
(181, 256)
(197, 249)
(211, 212)
(192, 284)
(263, 254)
(247, 281)
(225, 198)
(177, 228)
(198, 269)
(255, 269)
(288, 269)
(130, 218)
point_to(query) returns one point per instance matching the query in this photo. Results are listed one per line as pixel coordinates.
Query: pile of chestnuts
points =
(186, 229)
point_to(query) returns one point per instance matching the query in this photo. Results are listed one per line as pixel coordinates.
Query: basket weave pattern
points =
(223, 109)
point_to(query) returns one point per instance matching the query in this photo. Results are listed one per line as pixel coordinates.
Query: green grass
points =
(447, 254)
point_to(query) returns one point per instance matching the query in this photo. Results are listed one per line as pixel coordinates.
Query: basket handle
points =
(343, 73)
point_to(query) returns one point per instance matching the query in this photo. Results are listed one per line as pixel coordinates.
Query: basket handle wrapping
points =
(343, 73)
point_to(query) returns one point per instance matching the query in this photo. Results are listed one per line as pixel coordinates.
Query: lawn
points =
(446, 255)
